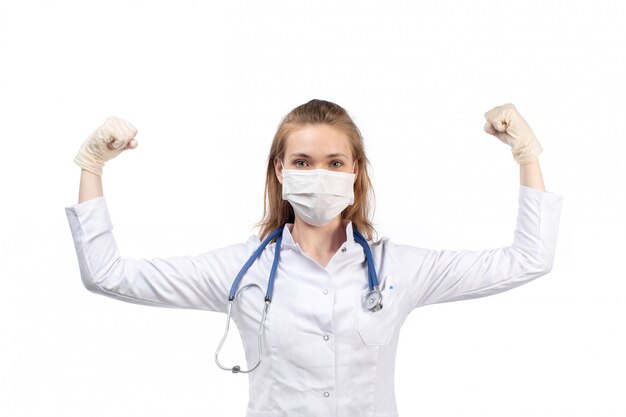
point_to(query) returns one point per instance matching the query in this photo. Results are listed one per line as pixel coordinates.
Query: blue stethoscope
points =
(371, 301)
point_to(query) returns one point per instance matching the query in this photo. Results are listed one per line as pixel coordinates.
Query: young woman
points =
(320, 302)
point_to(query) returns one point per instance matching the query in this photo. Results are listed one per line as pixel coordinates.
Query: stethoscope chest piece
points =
(373, 300)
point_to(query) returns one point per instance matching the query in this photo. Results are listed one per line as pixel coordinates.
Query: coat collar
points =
(288, 241)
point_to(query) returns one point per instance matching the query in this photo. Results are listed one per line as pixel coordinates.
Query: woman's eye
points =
(337, 164)
(300, 163)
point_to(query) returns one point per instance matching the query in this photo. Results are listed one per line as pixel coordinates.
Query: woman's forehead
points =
(316, 140)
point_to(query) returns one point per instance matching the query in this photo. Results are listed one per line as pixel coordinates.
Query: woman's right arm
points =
(90, 186)
(197, 282)
(200, 281)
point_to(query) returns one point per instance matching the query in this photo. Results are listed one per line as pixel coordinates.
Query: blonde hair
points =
(277, 211)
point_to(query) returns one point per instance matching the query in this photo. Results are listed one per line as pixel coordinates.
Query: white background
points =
(206, 85)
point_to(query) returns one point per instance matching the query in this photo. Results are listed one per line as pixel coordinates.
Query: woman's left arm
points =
(530, 175)
(452, 275)
(442, 275)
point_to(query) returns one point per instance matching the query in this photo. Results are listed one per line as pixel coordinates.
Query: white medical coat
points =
(324, 355)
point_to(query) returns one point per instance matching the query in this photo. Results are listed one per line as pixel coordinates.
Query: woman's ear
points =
(278, 169)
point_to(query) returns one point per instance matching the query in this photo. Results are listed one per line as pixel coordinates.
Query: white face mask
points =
(318, 195)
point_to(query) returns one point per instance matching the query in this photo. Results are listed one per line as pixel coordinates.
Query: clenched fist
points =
(505, 123)
(109, 140)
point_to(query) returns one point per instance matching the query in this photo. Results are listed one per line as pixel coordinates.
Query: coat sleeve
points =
(439, 276)
(194, 282)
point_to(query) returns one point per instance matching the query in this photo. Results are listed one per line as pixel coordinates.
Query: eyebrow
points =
(331, 155)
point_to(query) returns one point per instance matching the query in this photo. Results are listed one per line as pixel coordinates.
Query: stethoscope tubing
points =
(371, 270)
(234, 293)
(255, 255)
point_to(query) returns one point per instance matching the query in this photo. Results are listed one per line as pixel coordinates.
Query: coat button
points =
(344, 249)
(325, 292)
(325, 337)
(326, 394)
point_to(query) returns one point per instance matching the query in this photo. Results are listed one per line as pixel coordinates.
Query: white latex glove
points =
(505, 123)
(109, 140)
